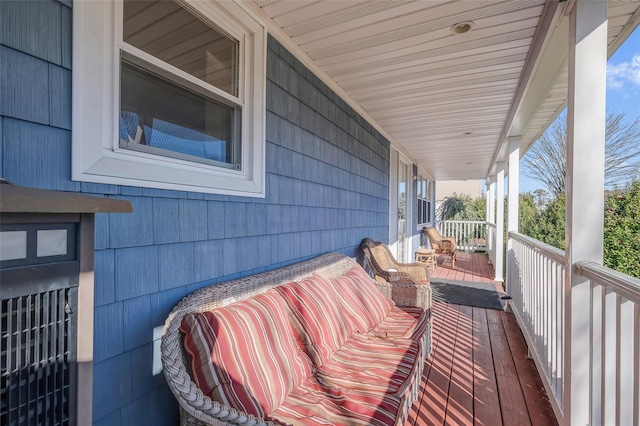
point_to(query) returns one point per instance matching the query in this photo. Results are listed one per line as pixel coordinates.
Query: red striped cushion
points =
(315, 304)
(371, 364)
(246, 355)
(362, 298)
(315, 404)
(403, 323)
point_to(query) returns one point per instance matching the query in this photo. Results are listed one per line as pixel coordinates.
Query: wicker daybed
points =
(198, 408)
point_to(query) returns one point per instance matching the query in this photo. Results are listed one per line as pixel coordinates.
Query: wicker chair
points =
(442, 245)
(386, 268)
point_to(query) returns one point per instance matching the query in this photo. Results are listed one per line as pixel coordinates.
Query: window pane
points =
(157, 115)
(170, 33)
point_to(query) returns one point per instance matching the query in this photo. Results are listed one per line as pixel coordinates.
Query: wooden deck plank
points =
(460, 400)
(469, 267)
(540, 410)
(486, 404)
(506, 389)
(434, 403)
(509, 390)
(497, 396)
(438, 311)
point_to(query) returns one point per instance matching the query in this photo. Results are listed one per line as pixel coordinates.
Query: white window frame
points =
(96, 153)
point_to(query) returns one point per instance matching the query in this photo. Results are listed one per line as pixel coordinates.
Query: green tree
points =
(462, 207)
(622, 230)
(528, 212)
(550, 223)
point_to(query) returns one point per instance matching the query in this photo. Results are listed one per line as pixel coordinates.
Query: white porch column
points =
(499, 221)
(514, 184)
(492, 199)
(585, 191)
(513, 199)
(487, 186)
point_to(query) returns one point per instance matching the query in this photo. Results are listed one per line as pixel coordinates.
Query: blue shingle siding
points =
(34, 28)
(143, 383)
(24, 86)
(50, 168)
(104, 277)
(60, 97)
(136, 271)
(108, 331)
(326, 189)
(138, 328)
(113, 391)
(135, 229)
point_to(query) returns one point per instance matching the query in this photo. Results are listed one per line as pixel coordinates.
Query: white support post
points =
(487, 215)
(492, 199)
(513, 199)
(585, 193)
(499, 221)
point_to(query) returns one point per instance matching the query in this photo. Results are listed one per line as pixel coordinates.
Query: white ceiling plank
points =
(424, 87)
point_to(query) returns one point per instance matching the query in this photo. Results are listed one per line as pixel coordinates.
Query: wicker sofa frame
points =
(197, 408)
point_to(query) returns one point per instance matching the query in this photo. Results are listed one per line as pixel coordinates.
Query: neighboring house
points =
(446, 188)
(325, 188)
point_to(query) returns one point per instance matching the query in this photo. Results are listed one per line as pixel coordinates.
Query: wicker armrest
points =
(419, 270)
(406, 293)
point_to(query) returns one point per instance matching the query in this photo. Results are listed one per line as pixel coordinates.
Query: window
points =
(424, 203)
(175, 100)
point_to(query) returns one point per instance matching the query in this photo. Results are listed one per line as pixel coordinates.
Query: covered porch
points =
(360, 109)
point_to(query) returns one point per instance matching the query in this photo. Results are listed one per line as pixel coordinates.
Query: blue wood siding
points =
(327, 189)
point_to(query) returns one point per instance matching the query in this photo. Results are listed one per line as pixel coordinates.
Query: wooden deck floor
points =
(478, 373)
(469, 267)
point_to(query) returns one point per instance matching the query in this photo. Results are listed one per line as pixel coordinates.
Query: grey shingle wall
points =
(327, 189)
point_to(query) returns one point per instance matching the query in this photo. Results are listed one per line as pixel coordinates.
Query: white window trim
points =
(96, 155)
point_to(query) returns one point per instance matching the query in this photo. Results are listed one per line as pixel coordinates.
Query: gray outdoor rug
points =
(479, 295)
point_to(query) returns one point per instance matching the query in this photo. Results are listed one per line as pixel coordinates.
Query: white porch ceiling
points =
(447, 100)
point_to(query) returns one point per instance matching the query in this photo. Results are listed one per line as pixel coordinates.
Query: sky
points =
(623, 89)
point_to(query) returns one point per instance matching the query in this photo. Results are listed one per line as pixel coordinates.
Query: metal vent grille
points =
(37, 358)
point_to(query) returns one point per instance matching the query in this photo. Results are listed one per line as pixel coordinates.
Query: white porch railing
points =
(615, 345)
(470, 235)
(536, 282)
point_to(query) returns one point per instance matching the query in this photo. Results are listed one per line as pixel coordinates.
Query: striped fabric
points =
(371, 364)
(246, 355)
(315, 404)
(361, 298)
(315, 305)
(403, 323)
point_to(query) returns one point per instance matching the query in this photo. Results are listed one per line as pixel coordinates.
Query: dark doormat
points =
(479, 295)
